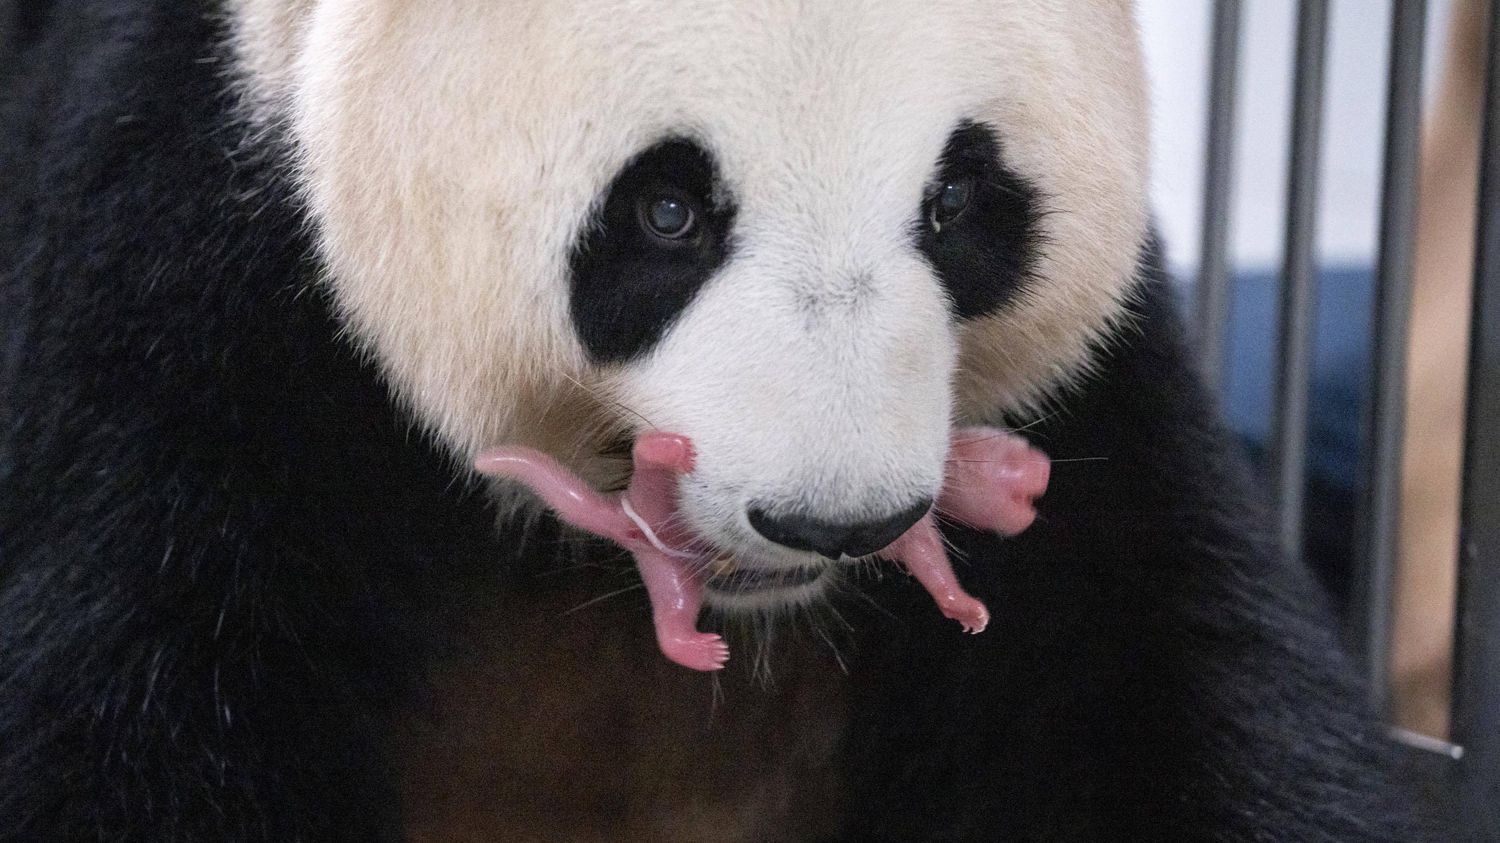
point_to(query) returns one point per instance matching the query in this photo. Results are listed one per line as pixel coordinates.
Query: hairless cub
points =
(992, 479)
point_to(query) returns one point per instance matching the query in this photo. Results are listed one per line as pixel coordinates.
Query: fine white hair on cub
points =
(452, 153)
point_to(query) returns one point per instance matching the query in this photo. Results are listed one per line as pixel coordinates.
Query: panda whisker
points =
(761, 664)
(1045, 460)
(695, 544)
(567, 569)
(601, 598)
(955, 552)
(701, 564)
(607, 401)
(947, 520)
(817, 628)
(673, 520)
(716, 695)
(844, 622)
(872, 603)
(588, 436)
(1036, 421)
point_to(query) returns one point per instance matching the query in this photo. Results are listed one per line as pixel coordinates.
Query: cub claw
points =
(699, 651)
(969, 612)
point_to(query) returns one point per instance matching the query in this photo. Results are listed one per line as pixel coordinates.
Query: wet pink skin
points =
(992, 479)
(670, 577)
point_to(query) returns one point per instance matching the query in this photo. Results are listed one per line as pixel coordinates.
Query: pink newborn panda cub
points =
(991, 482)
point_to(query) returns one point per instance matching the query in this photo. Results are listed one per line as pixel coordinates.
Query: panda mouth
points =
(991, 481)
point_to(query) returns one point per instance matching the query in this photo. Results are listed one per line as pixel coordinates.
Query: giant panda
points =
(276, 271)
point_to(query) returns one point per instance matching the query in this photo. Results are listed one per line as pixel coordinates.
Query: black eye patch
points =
(660, 233)
(985, 253)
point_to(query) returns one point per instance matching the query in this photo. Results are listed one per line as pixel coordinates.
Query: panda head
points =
(812, 237)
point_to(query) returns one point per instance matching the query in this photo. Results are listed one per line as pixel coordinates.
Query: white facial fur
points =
(450, 151)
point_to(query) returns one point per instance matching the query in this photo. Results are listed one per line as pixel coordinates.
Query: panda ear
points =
(986, 254)
(628, 283)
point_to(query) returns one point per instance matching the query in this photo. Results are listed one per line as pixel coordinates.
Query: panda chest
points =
(553, 724)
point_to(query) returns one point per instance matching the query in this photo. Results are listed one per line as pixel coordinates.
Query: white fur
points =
(450, 150)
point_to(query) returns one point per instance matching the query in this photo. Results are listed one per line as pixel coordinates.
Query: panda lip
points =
(742, 579)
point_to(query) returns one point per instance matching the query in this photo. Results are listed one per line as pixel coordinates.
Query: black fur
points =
(628, 285)
(203, 620)
(224, 562)
(984, 255)
(1153, 670)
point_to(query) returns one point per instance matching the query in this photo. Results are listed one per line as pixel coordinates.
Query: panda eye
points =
(667, 216)
(951, 200)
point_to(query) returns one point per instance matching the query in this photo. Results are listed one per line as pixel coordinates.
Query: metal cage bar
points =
(1476, 683)
(1469, 767)
(1288, 447)
(1375, 561)
(1212, 289)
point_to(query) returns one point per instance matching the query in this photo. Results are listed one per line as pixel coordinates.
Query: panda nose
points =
(832, 538)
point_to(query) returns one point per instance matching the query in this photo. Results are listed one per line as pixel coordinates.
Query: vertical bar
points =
(1476, 685)
(1213, 270)
(1375, 566)
(1299, 278)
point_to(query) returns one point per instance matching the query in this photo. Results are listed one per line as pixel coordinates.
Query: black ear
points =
(629, 284)
(985, 255)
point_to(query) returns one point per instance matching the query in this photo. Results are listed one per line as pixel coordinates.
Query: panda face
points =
(811, 237)
(705, 296)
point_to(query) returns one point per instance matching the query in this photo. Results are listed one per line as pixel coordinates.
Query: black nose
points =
(831, 538)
